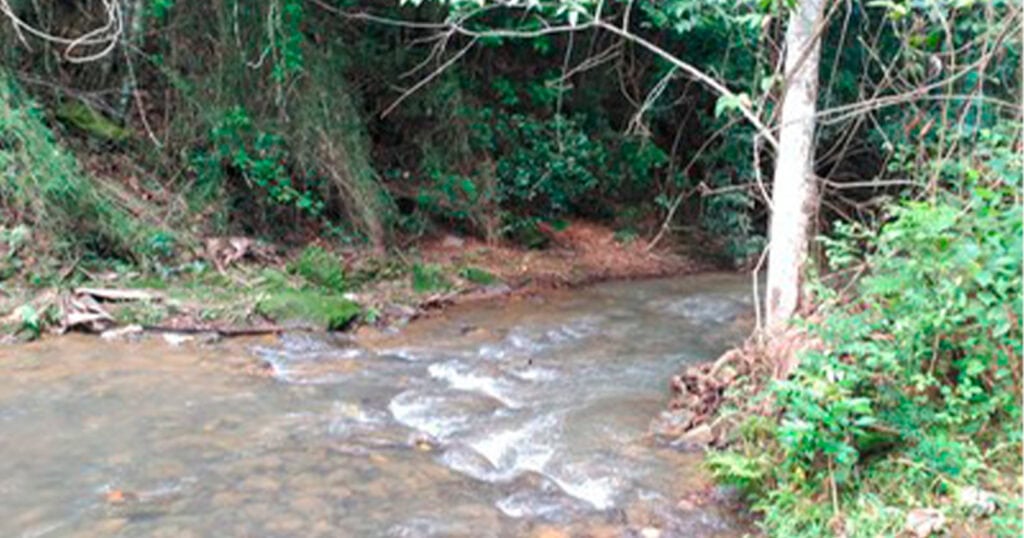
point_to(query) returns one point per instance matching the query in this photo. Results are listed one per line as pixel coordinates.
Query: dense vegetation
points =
(371, 125)
(912, 400)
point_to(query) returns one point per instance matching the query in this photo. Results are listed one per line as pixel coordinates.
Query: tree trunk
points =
(794, 189)
(133, 19)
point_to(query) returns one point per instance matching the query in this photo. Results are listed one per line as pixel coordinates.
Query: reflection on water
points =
(493, 420)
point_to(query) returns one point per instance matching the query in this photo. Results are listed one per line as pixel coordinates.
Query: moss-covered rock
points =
(330, 311)
(478, 276)
(82, 116)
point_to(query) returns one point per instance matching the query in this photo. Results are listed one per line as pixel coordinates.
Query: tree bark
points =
(794, 192)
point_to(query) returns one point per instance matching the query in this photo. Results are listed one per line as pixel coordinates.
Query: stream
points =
(524, 417)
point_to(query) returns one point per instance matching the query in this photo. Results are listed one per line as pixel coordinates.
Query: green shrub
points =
(428, 278)
(262, 159)
(915, 392)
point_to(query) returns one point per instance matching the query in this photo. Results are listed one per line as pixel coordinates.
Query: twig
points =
(423, 82)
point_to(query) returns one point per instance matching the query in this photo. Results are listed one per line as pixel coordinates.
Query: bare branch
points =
(427, 79)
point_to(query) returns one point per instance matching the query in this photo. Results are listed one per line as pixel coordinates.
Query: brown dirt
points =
(581, 253)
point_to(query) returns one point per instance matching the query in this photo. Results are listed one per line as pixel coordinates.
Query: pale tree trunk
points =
(794, 191)
(133, 19)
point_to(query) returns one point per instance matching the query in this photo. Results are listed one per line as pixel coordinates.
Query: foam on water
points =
(705, 308)
(347, 418)
(534, 373)
(505, 454)
(439, 414)
(308, 362)
(598, 488)
(461, 376)
(546, 502)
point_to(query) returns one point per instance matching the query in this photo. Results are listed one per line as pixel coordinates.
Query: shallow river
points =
(517, 418)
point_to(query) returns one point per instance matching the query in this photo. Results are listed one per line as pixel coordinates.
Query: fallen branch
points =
(229, 332)
(116, 295)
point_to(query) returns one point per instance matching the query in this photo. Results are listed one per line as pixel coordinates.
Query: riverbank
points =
(239, 286)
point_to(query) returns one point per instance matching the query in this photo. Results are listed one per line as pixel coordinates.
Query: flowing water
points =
(508, 419)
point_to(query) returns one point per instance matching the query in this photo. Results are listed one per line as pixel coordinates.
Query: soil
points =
(581, 253)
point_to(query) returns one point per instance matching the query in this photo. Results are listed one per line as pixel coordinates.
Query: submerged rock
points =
(549, 532)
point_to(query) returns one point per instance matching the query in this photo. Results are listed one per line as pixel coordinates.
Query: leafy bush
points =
(915, 394)
(550, 165)
(262, 160)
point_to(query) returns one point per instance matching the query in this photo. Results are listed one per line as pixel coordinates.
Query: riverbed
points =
(501, 419)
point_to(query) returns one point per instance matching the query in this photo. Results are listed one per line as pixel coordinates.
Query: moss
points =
(331, 311)
(478, 276)
(87, 119)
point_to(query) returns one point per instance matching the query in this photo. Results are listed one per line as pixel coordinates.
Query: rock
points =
(686, 505)
(650, 532)
(226, 499)
(672, 423)
(111, 526)
(548, 532)
(287, 525)
(260, 483)
(311, 507)
(727, 495)
(699, 436)
(322, 528)
(726, 375)
(121, 333)
(450, 241)
(687, 400)
(176, 339)
(330, 311)
(117, 496)
(603, 531)
(306, 482)
(978, 501)
(923, 522)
